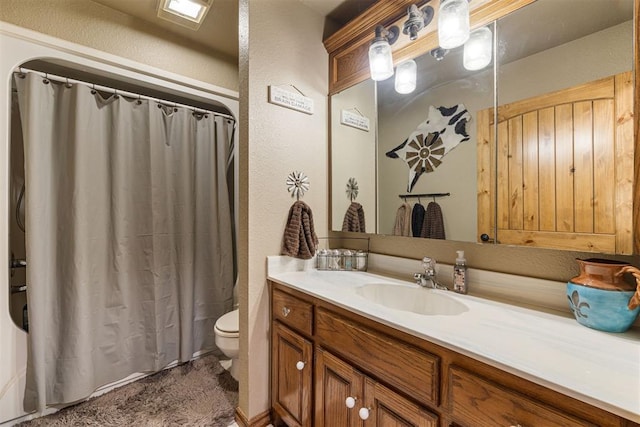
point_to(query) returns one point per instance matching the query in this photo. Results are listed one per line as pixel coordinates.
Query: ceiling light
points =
(453, 23)
(380, 58)
(478, 49)
(189, 13)
(185, 7)
(406, 73)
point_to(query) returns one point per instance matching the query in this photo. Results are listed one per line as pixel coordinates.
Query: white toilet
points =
(228, 341)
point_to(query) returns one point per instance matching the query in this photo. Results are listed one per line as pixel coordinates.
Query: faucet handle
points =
(428, 263)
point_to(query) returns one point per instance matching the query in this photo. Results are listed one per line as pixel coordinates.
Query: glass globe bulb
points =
(380, 60)
(406, 76)
(453, 23)
(478, 49)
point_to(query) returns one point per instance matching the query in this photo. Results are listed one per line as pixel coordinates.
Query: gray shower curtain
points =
(128, 235)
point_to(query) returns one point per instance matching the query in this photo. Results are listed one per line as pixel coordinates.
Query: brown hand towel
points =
(354, 218)
(433, 225)
(299, 239)
(402, 226)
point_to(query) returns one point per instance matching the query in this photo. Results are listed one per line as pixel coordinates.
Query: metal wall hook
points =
(297, 184)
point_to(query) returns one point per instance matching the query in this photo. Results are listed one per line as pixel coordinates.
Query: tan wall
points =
(100, 27)
(283, 40)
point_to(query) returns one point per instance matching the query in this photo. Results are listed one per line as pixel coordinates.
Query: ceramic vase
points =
(599, 297)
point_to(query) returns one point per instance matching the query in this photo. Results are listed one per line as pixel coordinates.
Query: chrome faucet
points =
(428, 278)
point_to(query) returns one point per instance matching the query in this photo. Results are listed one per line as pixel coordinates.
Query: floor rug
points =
(198, 393)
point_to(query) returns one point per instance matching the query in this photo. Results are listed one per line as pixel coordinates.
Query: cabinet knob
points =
(286, 311)
(363, 413)
(300, 365)
(350, 402)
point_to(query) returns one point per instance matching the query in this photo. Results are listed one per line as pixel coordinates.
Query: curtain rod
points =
(120, 92)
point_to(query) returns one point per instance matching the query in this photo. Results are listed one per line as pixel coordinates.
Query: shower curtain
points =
(128, 235)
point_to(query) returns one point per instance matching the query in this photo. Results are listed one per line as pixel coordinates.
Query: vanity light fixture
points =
(453, 23)
(188, 13)
(406, 73)
(417, 20)
(380, 58)
(478, 49)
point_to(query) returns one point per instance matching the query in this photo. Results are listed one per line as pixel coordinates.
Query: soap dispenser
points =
(460, 274)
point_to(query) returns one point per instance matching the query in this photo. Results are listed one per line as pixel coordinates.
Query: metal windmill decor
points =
(423, 150)
(297, 184)
(352, 189)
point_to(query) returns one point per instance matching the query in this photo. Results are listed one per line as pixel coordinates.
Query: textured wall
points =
(97, 26)
(283, 40)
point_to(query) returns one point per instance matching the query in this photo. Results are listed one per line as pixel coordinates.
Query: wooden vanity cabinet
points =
(336, 381)
(291, 359)
(322, 354)
(475, 401)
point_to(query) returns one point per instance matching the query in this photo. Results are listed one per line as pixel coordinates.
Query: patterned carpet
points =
(198, 393)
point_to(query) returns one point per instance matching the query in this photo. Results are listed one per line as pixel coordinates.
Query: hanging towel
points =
(417, 219)
(299, 240)
(433, 225)
(402, 226)
(354, 218)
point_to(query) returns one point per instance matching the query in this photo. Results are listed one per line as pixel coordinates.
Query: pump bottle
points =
(460, 274)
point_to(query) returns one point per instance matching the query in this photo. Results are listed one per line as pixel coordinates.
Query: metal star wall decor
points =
(297, 184)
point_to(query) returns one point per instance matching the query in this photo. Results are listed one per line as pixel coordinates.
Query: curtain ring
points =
(115, 94)
(139, 101)
(175, 108)
(67, 84)
(21, 74)
(46, 79)
(93, 89)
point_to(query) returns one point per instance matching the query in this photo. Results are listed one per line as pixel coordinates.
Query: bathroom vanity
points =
(348, 347)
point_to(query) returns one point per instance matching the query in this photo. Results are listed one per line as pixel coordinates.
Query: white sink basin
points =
(415, 300)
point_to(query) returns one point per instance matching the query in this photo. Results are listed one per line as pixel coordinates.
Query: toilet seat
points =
(229, 324)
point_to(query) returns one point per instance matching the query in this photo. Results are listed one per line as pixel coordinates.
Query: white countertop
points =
(602, 369)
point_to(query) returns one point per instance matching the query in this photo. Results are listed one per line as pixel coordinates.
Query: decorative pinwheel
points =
(352, 189)
(297, 184)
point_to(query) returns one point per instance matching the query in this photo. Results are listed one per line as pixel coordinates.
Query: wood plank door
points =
(292, 373)
(561, 172)
(335, 382)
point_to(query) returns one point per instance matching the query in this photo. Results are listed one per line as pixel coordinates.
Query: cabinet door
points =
(291, 370)
(388, 409)
(335, 382)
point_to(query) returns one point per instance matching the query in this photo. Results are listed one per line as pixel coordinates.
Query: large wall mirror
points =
(551, 166)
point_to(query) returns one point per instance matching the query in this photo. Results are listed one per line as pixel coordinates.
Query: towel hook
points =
(297, 184)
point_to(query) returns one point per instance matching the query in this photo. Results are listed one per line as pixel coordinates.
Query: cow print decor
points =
(424, 149)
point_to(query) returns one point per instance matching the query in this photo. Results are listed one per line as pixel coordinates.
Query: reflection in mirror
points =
(540, 53)
(442, 82)
(353, 159)
(565, 129)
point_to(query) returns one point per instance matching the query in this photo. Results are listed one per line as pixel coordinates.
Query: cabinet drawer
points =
(476, 401)
(292, 311)
(392, 361)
